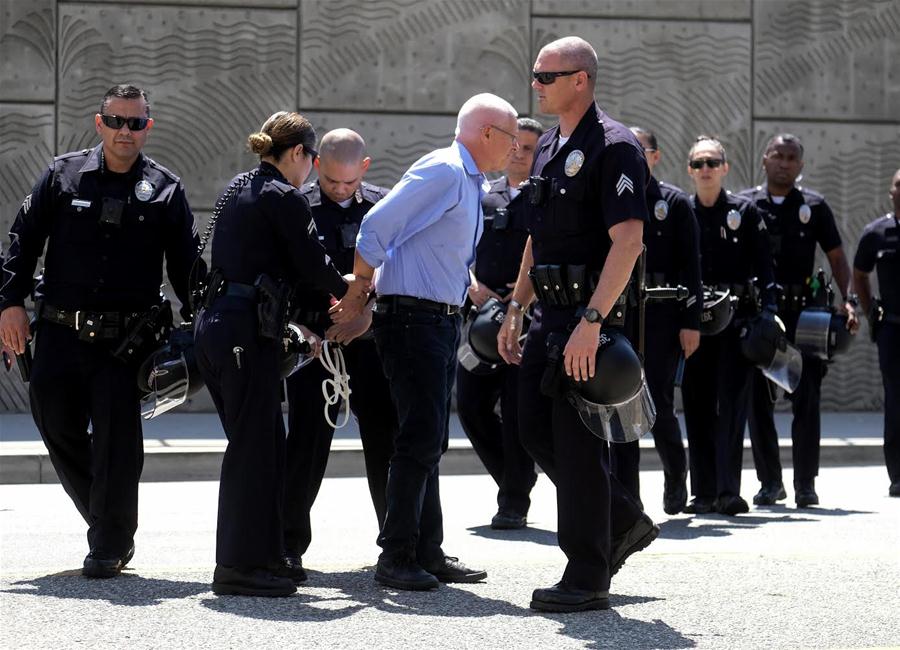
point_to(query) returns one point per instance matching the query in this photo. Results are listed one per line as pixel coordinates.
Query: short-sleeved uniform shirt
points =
(599, 177)
(499, 252)
(879, 249)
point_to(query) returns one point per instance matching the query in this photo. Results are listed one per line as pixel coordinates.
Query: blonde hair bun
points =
(260, 143)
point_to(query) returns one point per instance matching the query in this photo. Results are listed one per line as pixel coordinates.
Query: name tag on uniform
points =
(80, 203)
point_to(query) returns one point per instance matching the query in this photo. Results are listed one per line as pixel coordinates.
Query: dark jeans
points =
(247, 397)
(418, 352)
(889, 359)
(309, 436)
(592, 506)
(75, 384)
(496, 438)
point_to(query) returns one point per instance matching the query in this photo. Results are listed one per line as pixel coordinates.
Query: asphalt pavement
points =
(777, 577)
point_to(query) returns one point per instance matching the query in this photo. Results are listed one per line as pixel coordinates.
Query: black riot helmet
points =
(478, 353)
(718, 310)
(615, 403)
(822, 333)
(295, 351)
(169, 375)
(765, 344)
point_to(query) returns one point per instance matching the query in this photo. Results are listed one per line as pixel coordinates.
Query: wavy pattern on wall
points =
(35, 32)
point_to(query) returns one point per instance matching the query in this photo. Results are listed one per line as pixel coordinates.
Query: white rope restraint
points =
(337, 387)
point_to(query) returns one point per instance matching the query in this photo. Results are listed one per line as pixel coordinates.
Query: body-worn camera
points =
(539, 190)
(349, 231)
(111, 211)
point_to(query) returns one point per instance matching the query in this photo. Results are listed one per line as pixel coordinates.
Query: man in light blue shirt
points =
(421, 238)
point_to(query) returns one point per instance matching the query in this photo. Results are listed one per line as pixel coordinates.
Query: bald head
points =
(576, 54)
(342, 146)
(486, 125)
(482, 110)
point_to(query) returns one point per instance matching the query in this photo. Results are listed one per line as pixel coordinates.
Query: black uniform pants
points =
(592, 506)
(806, 427)
(496, 438)
(242, 375)
(309, 436)
(662, 351)
(75, 385)
(716, 392)
(418, 351)
(889, 359)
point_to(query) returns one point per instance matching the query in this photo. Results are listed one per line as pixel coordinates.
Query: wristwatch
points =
(852, 299)
(591, 315)
(516, 304)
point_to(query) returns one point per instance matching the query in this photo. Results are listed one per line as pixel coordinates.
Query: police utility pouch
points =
(272, 308)
(349, 231)
(89, 328)
(553, 381)
(540, 278)
(111, 211)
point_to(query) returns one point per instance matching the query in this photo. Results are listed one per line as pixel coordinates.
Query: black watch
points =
(852, 299)
(591, 315)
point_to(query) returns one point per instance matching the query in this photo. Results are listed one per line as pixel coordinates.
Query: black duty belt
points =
(91, 325)
(563, 285)
(393, 304)
(312, 318)
(240, 290)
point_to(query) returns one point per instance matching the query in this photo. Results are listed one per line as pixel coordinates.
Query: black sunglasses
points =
(313, 154)
(116, 122)
(712, 163)
(547, 78)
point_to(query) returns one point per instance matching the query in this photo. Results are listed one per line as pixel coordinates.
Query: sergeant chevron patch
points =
(26, 204)
(624, 183)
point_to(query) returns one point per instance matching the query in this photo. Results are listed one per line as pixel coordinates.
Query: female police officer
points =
(265, 243)
(733, 248)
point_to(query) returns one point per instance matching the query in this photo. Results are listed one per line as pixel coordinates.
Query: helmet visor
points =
(624, 422)
(785, 368)
(169, 383)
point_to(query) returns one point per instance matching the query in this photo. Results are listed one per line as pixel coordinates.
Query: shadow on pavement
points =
(609, 629)
(330, 596)
(528, 534)
(718, 525)
(129, 589)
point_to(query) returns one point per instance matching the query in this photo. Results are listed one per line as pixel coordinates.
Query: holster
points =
(553, 381)
(876, 318)
(213, 286)
(272, 309)
(146, 331)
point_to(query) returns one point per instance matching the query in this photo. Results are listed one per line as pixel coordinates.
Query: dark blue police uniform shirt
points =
(96, 266)
(499, 252)
(879, 248)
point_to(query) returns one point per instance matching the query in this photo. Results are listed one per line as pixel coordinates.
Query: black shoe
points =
(97, 566)
(508, 520)
(769, 493)
(452, 570)
(292, 567)
(894, 490)
(560, 598)
(128, 555)
(731, 505)
(228, 581)
(635, 539)
(699, 506)
(805, 493)
(404, 573)
(674, 494)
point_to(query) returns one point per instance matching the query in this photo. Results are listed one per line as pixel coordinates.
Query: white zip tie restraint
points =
(337, 387)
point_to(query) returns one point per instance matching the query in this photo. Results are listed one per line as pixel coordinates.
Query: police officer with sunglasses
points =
(107, 216)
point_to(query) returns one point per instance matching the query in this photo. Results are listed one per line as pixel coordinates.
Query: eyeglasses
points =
(116, 122)
(649, 149)
(712, 163)
(547, 78)
(515, 139)
(313, 154)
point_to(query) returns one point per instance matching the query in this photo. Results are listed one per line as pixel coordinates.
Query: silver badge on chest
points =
(661, 210)
(805, 213)
(574, 161)
(733, 219)
(143, 191)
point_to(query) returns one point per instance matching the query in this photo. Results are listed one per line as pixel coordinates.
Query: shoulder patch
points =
(624, 184)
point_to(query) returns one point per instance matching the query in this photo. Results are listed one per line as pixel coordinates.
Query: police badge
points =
(805, 213)
(574, 161)
(661, 210)
(733, 219)
(143, 191)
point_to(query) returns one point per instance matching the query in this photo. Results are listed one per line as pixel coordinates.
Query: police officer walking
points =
(265, 243)
(672, 245)
(879, 250)
(586, 216)
(422, 238)
(797, 219)
(339, 200)
(108, 216)
(496, 439)
(734, 249)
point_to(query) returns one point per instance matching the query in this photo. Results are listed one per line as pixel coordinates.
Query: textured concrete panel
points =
(214, 75)
(687, 9)
(27, 50)
(677, 79)
(827, 59)
(266, 4)
(394, 142)
(852, 166)
(412, 55)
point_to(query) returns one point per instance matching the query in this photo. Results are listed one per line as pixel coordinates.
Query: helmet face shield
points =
(295, 352)
(822, 334)
(169, 382)
(623, 422)
(785, 368)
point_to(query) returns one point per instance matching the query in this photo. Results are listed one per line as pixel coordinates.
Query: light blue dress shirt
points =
(421, 237)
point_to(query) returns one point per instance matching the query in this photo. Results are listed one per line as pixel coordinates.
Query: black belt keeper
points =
(563, 285)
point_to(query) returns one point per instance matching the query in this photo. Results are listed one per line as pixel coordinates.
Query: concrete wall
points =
(397, 70)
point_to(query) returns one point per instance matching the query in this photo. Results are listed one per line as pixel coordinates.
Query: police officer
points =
(264, 244)
(797, 219)
(339, 200)
(592, 216)
(733, 249)
(496, 439)
(108, 216)
(879, 250)
(672, 328)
